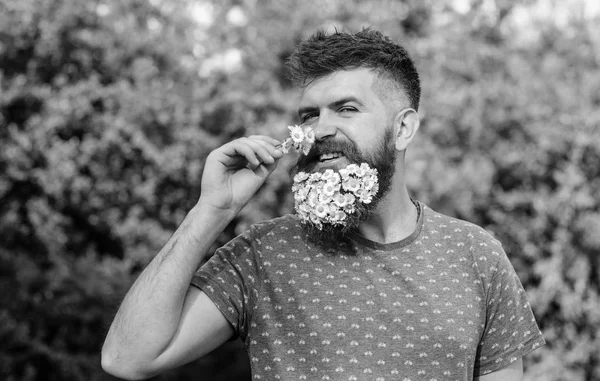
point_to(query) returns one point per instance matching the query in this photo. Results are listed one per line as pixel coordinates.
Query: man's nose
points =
(325, 128)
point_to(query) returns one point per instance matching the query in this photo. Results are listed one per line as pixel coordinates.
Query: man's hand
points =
(235, 171)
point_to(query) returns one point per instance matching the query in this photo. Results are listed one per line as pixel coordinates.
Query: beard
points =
(382, 158)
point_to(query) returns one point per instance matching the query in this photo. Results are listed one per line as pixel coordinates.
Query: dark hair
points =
(322, 54)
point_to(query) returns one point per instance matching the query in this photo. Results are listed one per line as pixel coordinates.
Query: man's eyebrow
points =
(345, 100)
(334, 104)
(306, 110)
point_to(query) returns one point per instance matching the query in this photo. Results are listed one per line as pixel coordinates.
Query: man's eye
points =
(305, 118)
(346, 109)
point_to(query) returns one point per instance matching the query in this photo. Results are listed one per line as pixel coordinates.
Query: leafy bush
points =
(108, 110)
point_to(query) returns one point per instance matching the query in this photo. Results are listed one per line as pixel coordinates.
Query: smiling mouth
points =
(329, 156)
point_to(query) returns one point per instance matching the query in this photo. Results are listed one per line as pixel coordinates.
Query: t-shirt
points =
(442, 304)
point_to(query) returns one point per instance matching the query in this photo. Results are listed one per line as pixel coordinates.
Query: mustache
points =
(308, 162)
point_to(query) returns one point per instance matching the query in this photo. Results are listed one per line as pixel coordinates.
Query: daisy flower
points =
(340, 200)
(296, 134)
(352, 184)
(329, 189)
(301, 139)
(327, 174)
(300, 177)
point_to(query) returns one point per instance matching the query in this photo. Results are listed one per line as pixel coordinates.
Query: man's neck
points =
(395, 218)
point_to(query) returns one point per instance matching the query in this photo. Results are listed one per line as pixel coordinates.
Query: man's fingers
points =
(265, 139)
(261, 150)
(255, 150)
(236, 151)
(270, 144)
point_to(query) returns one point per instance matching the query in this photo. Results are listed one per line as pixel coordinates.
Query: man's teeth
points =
(329, 156)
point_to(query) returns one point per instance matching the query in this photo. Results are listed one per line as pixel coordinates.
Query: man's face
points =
(348, 117)
(352, 125)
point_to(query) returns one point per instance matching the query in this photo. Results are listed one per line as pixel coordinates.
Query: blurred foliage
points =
(108, 109)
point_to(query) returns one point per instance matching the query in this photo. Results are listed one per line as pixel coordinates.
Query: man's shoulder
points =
(462, 237)
(285, 225)
(455, 228)
(268, 234)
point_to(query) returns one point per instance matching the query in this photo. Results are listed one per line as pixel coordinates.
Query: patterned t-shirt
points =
(442, 304)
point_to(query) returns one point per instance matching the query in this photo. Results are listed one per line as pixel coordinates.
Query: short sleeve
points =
(510, 328)
(230, 278)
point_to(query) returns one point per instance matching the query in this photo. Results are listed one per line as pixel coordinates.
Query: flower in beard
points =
(300, 177)
(325, 198)
(350, 199)
(339, 215)
(330, 188)
(328, 174)
(328, 198)
(340, 200)
(369, 183)
(335, 178)
(353, 169)
(321, 210)
(364, 196)
(312, 197)
(352, 184)
(300, 193)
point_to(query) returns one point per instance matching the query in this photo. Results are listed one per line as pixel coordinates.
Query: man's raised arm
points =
(163, 322)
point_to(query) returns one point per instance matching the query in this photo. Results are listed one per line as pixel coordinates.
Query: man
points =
(403, 293)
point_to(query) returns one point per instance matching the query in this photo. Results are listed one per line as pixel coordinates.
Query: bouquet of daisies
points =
(328, 197)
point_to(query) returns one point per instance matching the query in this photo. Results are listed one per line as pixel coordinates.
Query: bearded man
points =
(390, 290)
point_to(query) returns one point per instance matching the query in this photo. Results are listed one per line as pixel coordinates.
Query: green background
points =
(108, 109)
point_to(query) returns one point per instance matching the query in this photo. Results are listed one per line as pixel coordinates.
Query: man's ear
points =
(406, 125)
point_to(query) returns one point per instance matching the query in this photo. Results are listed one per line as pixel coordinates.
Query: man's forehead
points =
(355, 83)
